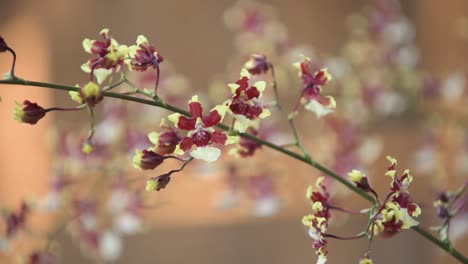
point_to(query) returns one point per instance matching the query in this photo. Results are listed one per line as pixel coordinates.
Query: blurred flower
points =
(264, 196)
(311, 93)
(452, 209)
(42, 257)
(246, 147)
(110, 246)
(16, 221)
(257, 64)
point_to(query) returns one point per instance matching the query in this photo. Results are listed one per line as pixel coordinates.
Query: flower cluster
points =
(110, 56)
(245, 105)
(317, 222)
(397, 211)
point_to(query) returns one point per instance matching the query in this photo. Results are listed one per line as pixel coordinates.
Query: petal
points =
(196, 110)
(208, 154)
(242, 123)
(319, 109)
(407, 220)
(265, 113)
(101, 74)
(245, 73)
(221, 109)
(233, 87)
(232, 140)
(87, 44)
(322, 259)
(212, 119)
(260, 85)
(154, 138)
(219, 137)
(141, 40)
(104, 31)
(186, 123)
(85, 67)
(186, 143)
(174, 118)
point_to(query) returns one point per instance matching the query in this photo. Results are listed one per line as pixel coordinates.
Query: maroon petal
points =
(186, 123)
(218, 137)
(196, 110)
(252, 92)
(212, 119)
(186, 143)
(243, 84)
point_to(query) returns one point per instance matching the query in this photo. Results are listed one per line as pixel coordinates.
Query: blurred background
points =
(184, 224)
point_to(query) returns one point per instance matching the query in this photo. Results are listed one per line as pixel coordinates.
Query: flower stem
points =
(13, 64)
(450, 250)
(297, 139)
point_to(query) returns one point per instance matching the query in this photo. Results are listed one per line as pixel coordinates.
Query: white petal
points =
(87, 45)
(141, 39)
(208, 154)
(408, 221)
(110, 246)
(321, 259)
(101, 74)
(319, 109)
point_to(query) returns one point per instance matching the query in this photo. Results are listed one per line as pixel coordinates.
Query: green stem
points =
(450, 250)
(297, 139)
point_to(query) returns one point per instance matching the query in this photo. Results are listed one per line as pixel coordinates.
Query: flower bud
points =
(158, 183)
(29, 113)
(147, 160)
(87, 147)
(360, 180)
(3, 45)
(366, 260)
